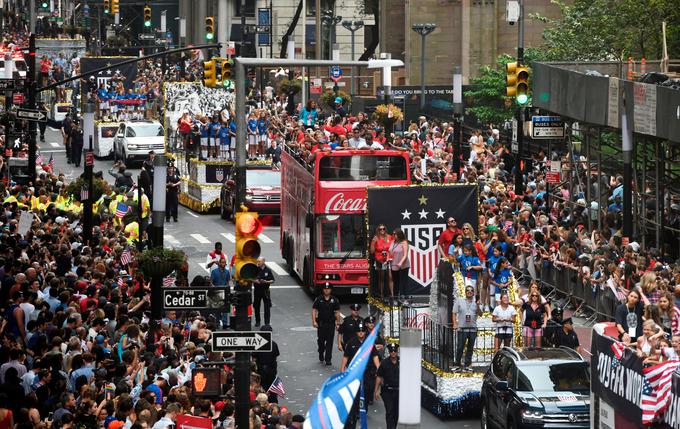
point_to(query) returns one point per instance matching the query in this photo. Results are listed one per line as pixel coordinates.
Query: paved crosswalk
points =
(275, 267)
(201, 239)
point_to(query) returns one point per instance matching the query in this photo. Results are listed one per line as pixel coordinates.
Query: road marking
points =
(265, 239)
(202, 265)
(229, 236)
(171, 239)
(54, 144)
(278, 269)
(191, 213)
(200, 238)
(54, 151)
(284, 287)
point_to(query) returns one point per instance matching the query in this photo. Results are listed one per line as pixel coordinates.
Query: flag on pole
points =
(40, 159)
(122, 209)
(362, 407)
(126, 256)
(121, 282)
(277, 387)
(168, 281)
(656, 390)
(51, 163)
(334, 401)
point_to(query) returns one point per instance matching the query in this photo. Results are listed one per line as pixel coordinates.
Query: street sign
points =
(263, 29)
(547, 127)
(18, 98)
(244, 341)
(146, 36)
(212, 298)
(336, 73)
(32, 115)
(231, 48)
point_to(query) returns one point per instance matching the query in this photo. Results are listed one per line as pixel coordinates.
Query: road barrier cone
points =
(631, 65)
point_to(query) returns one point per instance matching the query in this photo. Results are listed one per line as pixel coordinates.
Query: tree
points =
(487, 100)
(611, 30)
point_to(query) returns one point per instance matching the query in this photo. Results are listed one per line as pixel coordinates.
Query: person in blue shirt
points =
(205, 136)
(223, 136)
(492, 262)
(500, 280)
(496, 238)
(309, 114)
(232, 138)
(252, 136)
(470, 266)
(262, 127)
(456, 247)
(220, 275)
(213, 143)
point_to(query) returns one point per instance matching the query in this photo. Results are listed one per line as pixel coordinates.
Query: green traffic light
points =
(522, 99)
(147, 23)
(106, 11)
(209, 36)
(45, 5)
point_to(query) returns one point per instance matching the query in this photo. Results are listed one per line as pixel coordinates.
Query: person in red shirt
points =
(380, 245)
(446, 237)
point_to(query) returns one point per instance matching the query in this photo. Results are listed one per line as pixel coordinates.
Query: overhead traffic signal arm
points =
(248, 228)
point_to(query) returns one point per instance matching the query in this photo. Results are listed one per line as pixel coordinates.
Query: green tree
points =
(486, 99)
(602, 30)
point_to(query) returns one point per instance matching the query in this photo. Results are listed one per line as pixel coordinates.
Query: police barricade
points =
(440, 344)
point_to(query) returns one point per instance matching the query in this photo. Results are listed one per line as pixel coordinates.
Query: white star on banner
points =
(440, 213)
(423, 214)
(406, 214)
(108, 71)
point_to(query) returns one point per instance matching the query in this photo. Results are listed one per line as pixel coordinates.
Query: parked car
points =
(536, 388)
(263, 191)
(134, 140)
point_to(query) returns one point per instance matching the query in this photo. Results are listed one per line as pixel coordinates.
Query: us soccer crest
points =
(219, 174)
(421, 212)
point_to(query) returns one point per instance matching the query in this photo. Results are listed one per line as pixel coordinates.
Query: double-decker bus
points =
(323, 205)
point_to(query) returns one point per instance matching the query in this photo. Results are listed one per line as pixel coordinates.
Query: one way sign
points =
(243, 341)
(32, 115)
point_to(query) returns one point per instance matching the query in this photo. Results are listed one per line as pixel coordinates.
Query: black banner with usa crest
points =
(421, 212)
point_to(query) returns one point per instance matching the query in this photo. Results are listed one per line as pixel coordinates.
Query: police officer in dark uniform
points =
(566, 336)
(325, 315)
(172, 193)
(351, 350)
(76, 139)
(347, 329)
(388, 379)
(369, 375)
(261, 292)
(267, 366)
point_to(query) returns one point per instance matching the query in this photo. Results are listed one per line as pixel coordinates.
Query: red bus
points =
(323, 205)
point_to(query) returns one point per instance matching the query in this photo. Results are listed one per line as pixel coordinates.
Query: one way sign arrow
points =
(32, 115)
(244, 341)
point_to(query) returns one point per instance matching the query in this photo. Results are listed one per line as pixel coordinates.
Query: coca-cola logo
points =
(338, 203)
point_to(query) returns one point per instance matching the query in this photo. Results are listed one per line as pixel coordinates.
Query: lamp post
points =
(329, 19)
(352, 26)
(423, 30)
(160, 168)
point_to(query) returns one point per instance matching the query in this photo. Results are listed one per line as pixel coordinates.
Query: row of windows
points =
(311, 7)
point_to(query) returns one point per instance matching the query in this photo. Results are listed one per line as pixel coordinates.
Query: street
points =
(299, 367)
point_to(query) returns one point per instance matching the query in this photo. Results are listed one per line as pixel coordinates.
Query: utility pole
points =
(424, 30)
(32, 84)
(160, 168)
(353, 26)
(457, 125)
(519, 174)
(87, 217)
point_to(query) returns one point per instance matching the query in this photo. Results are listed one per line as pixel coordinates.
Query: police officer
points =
(325, 315)
(388, 379)
(261, 292)
(266, 364)
(351, 350)
(347, 329)
(369, 375)
(76, 140)
(172, 193)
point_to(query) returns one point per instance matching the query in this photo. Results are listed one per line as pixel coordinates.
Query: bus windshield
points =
(362, 167)
(341, 236)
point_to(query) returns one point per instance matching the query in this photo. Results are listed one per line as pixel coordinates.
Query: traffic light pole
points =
(242, 368)
(519, 179)
(32, 84)
(87, 216)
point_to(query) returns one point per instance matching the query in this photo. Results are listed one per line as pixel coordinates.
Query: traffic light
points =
(248, 228)
(210, 73)
(114, 6)
(517, 82)
(107, 6)
(44, 4)
(226, 71)
(209, 28)
(147, 16)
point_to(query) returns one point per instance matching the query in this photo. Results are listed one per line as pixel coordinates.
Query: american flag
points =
(656, 390)
(122, 209)
(618, 348)
(126, 256)
(168, 281)
(507, 225)
(121, 282)
(277, 387)
(51, 163)
(40, 159)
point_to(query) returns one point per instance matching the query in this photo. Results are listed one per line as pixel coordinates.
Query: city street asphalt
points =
(299, 368)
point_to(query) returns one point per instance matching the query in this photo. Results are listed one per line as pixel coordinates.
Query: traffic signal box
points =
(147, 16)
(517, 82)
(248, 228)
(115, 7)
(210, 73)
(107, 6)
(209, 28)
(226, 70)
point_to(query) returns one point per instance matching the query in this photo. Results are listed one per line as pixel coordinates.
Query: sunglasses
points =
(381, 229)
(534, 296)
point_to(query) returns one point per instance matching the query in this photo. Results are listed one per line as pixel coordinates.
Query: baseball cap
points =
(338, 100)
(219, 405)
(116, 424)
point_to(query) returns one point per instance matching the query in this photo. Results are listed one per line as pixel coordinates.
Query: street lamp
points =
(423, 30)
(352, 26)
(329, 19)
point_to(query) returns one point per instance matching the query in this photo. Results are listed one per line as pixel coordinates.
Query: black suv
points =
(536, 388)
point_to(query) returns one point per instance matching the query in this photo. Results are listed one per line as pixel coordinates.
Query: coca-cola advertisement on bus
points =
(419, 214)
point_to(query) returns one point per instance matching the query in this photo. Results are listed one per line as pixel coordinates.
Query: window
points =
(341, 236)
(311, 6)
(501, 367)
(121, 130)
(362, 167)
(250, 8)
(150, 130)
(564, 377)
(263, 178)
